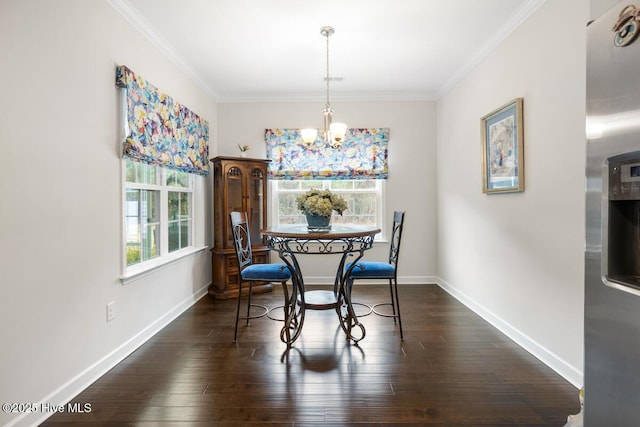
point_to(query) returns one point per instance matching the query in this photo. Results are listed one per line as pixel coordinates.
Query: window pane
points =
(141, 173)
(179, 234)
(132, 224)
(150, 239)
(364, 184)
(185, 206)
(342, 185)
(132, 213)
(133, 253)
(288, 209)
(150, 208)
(179, 229)
(174, 220)
(174, 205)
(149, 218)
(177, 179)
(308, 184)
(141, 222)
(174, 236)
(179, 205)
(185, 234)
(131, 171)
(362, 197)
(361, 209)
(288, 185)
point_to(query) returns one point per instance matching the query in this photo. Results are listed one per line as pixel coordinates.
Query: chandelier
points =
(333, 133)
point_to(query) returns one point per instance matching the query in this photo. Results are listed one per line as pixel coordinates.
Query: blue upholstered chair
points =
(384, 270)
(250, 272)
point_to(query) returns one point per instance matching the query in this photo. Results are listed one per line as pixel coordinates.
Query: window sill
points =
(138, 272)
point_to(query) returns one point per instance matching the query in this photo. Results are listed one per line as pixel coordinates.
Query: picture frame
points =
(503, 149)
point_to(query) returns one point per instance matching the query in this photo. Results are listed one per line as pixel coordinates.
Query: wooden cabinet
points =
(240, 184)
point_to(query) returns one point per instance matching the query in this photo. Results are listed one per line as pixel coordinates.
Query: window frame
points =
(164, 257)
(380, 192)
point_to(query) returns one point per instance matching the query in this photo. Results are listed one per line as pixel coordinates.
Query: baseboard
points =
(567, 371)
(73, 387)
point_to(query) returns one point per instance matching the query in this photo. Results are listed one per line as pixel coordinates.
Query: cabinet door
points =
(256, 185)
(239, 185)
(234, 197)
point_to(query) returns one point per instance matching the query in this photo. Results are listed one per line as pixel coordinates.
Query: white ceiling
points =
(254, 50)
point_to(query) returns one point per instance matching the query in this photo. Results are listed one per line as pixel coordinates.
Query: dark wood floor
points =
(452, 369)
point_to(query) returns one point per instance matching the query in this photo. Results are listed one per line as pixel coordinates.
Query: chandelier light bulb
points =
(309, 136)
(338, 132)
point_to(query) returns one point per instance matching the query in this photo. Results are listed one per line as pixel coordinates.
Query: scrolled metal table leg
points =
(348, 318)
(293, 308)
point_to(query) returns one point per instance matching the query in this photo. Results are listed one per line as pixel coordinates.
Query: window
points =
(358, 172)
(364, 198)
(165, 150)
(158, 212)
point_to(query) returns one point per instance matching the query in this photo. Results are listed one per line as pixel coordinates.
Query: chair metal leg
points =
(393, 301)
(248, 301)
(396, 309)
(395, 306)
(235, 335)
(264, 310)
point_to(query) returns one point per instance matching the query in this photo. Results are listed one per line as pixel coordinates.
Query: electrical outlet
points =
(111, 311)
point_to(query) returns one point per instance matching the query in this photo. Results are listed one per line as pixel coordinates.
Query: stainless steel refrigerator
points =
(612, 251)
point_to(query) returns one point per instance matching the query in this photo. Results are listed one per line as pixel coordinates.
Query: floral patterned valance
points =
(162, 131)
(363, 155)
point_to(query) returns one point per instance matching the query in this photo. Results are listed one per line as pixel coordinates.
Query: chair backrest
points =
(396, 236)
(241, 238)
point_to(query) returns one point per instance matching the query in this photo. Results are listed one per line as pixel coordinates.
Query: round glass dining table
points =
(350, 242)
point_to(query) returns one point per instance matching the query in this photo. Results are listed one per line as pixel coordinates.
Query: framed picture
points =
(503, 149)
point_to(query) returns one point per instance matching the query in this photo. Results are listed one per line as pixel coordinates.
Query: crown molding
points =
(345, 97)
(521, 15)
(143, 26)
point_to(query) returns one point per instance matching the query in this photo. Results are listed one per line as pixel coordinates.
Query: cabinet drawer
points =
(260, 258)
(232, 280)
(231, 262)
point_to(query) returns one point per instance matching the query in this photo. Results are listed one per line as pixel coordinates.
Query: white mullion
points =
(137, 186)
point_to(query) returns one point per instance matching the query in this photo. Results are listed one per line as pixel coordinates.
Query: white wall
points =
(515, 258)
(518, 258)
(60, 228)
(412, 167)
(599, 7)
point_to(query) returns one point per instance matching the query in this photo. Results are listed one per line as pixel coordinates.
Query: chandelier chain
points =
(327, 34)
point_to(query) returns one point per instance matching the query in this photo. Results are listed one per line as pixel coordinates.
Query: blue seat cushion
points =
(267, 272)
(373, 269)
